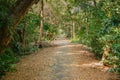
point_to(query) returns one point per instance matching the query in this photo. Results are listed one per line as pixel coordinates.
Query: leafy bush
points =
(97, 47)
(51, 31)
(15, 49)
(24, 38)
(4, 10)
(7, 61)
(103, 23)
(110, 36)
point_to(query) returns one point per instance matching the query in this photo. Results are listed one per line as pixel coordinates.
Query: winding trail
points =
(67, 61)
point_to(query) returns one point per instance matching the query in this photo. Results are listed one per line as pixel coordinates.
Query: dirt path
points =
(64, 62)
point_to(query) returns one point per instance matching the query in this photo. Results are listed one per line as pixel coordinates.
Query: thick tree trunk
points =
(16, 13)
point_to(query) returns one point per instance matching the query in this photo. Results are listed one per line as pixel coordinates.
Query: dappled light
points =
(65, 62)
(59, 39)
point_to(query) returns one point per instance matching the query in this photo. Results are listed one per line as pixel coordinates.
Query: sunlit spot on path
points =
(67, 61)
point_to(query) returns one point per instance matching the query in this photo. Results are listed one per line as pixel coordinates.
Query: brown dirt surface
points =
(67, 61)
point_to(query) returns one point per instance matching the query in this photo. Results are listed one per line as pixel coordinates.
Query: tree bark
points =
(23, 37)
(15, 15)
(95, 4)
(41, 22)
(73, 29)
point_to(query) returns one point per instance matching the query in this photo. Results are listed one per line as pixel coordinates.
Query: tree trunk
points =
(15, 15)
(87, 27)
(94, 1)
(105, 54)
(41, 22)
(23, 37)
(73, 29)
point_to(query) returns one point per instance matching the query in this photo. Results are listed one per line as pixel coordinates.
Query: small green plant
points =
(7, 61)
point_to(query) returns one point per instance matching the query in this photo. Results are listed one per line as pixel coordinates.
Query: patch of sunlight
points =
(92, 64)
(72, 65)
(76, 52)
(61, 42)
(76, 45)
(95, 65)
(64, 46)
(71, 53)
(81, 51)
(58, 52)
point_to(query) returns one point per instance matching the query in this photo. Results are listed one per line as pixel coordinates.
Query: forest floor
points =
(67, 61)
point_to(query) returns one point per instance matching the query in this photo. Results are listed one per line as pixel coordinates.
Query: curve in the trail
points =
(65, 62)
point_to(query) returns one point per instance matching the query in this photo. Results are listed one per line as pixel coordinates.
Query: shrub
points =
(7, 61)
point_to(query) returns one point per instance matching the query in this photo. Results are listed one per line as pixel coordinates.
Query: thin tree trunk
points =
(15, 15)
(73, 29)
(41, 22)
(87, 27)
(94, 1)
(23, 37)
(105, 54)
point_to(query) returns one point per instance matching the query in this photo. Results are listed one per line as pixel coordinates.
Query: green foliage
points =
(50, 28)
(51, 31)
(4, 10)
(97, 24)
(100, 27)
(27, 30)
(97, 47)
(12, 54)
(7, 61)
(113, 40)
(109, 35)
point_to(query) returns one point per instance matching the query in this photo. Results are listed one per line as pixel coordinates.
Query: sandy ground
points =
(67, 61)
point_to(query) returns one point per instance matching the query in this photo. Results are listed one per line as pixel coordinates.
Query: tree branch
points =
(15, 15)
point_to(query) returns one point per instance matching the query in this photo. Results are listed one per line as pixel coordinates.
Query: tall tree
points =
(15, 15)
(42, 21)
(73, 29)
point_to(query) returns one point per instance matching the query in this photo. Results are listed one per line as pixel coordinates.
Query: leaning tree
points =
(15, 14)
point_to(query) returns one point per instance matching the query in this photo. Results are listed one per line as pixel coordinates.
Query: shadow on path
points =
(64, 62)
